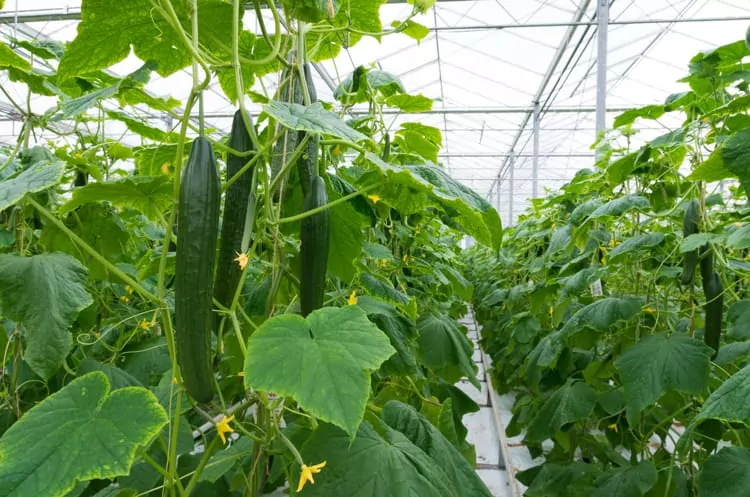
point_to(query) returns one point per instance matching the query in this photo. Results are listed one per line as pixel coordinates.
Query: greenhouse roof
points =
(490, 65)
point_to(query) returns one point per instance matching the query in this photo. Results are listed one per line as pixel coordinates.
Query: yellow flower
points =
(337, 151)
(551, 310)
(241, 374)
(650, 310)
(307, 474)
(222, 427)
(124, 299)
(375, 198)
(383, 262)
(144, 325)
(604, 260)
(417, 230)
(613, 427)
(242, 260)
(739, 225)
(353, 298)
(406, 259)
(612, 242)
(165, 169)
(129, 289)
(174, 380)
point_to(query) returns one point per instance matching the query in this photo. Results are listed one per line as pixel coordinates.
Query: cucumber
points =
(197, 228)
(690, 227)
(713, 289)
(290, 92)
(706, 262)
(315, 234)
(307, 165)
(228, 272)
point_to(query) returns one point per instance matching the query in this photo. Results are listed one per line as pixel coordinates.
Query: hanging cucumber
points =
(197, 227)
(713, 289)
(690, 227)
(228, 272)
(290, 92)
(315, 233)
(706, 262)
(307, 165)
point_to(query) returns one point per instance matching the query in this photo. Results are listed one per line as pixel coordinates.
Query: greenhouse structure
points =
(375, 248)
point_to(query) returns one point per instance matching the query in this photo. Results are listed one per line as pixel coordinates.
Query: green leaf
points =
(381, 463)
(445, 349)
(697, 240)
(410, 103)
(40, 176)
(560, 239)
(9, 58)
(424, 435)
(400, 330)
(739, 320)
(412, 29)
(46, 49)
(45, 293)
(313, 119)
(150, 160)
(377, 251)
(326, 361)
(572, 402)
(475, 215)
(142, 128)
(661, 363)
(726, 474)
(735, 153)
(94, 435)
(648, 112)
(730, 402)
(223, 461)
(711, 169)
(621, 205)
(740, 238)
(74, 107)
(636, 243)
(382, 288)
(107, 32)
(629, 481)
(116, 377)
(149, 195)
(584, 210)
(346, 239)
(419, 139)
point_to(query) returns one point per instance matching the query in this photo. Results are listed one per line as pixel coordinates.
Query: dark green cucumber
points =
(315, 235)
(307, 165)
(706, 262)
(197, 229)
(713, 289)
(290, 92)
(690, 227)
(228, 272)
(387, 148)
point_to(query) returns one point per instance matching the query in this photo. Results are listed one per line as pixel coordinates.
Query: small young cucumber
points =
(690, 227)
(307, 165)
(197, 229)
(713, 289)
(315, 234)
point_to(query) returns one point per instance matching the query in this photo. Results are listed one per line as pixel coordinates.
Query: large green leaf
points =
(445, 349)
(740, 238)
(83, 432)
(424, 435)
(739, 320)
(9, 58)
(711, 169)
(398, 184)
(410, 103)
(40, 176)
(382, 288)
(730, 402)
(116, 377)
(660, 363)
(400, 330)
(362, 16)
(735, 152)
(323, 362)
(347, 239)
(382, 463)
(97, 225)
(108, 30)
(726, 474)
(621, 205)
(149, 195)
(629, 481)
(45, 293)
(313, 119)
(636, 243)
(572, 402)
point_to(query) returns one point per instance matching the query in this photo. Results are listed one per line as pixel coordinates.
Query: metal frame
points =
(585, 28)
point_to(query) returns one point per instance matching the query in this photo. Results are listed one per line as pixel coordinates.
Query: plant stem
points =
(336, 202)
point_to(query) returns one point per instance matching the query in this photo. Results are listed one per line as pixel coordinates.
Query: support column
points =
(535, 163)
(511, 187)
(602, 17)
